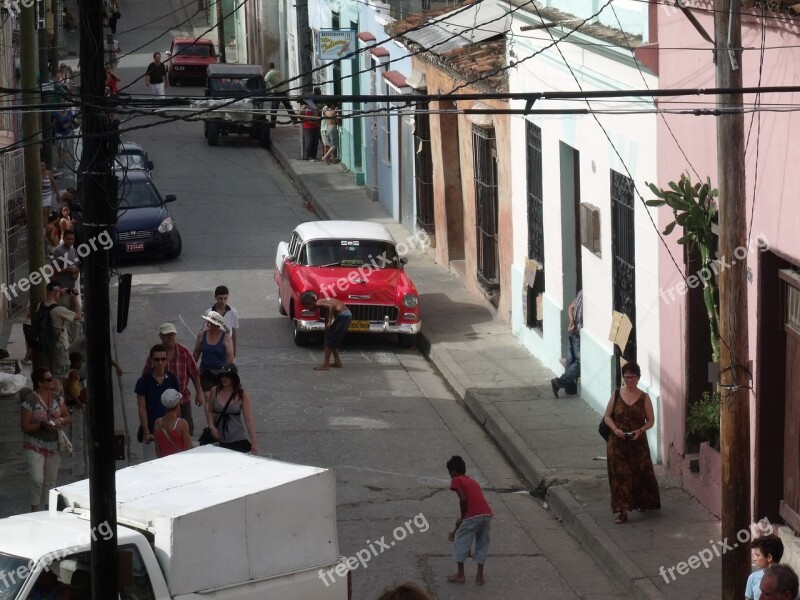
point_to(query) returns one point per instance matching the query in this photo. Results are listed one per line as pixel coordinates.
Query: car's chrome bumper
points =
(385, 327)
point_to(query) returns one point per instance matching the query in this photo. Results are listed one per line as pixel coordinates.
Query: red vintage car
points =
(188, 58)
(356, 262)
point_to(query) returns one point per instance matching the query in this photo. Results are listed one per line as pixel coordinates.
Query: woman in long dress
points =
(631, 477)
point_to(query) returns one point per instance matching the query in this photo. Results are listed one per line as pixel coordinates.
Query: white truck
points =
(204, 524)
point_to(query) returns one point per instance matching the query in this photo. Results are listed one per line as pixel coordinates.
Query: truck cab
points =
(239, 92)
(206, 523)
(188, 59)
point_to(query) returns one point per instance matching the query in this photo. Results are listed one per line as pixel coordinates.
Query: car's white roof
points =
(343, 230)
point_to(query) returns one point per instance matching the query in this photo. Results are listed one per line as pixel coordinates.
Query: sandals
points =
(623, 516)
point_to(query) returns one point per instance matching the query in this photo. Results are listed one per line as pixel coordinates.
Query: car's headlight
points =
(166, 226)
(308, 297)
(410, 300)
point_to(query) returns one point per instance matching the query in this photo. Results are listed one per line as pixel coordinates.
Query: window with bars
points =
(423, 169)
(623, 250)
(484, 159)
(386, 123)
(533, 293)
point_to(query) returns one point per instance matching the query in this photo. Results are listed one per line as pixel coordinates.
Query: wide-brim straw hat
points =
(215, 318)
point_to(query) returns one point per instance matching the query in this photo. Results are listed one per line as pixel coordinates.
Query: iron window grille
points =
(423, 169)
(623, 251)
(533, 136)
(484, 159)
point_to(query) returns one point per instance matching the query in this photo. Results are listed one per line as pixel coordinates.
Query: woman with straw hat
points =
(214, 349)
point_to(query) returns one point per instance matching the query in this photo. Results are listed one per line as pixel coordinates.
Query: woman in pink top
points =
(171, 432)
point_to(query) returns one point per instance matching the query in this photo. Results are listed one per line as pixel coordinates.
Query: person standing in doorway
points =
(330, 132)
(156, 76)
(569, 380)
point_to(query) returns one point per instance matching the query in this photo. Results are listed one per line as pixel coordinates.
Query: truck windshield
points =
(202, 50)
(13, 573)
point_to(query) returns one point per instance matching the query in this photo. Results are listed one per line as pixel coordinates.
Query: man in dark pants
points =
(311, 118)
(276, 86)
(569, 380)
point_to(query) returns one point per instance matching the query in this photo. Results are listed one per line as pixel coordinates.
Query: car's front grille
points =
(126, 236)
(373, 312)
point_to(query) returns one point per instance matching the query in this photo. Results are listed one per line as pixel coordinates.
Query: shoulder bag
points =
(603, 429)
(206, 437)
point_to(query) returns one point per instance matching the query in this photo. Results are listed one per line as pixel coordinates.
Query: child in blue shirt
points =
(767, 550)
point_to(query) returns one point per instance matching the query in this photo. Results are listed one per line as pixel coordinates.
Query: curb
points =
(575, 519)
(583, 527)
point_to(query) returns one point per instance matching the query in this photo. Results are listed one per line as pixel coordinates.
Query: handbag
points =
(64, 443)
(206, 437)
(603, 429)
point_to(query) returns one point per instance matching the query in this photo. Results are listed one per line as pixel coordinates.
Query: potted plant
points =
(703, 418)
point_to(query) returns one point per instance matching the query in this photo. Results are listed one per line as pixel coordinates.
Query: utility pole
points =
(44, 80)
(221, 31)
(31, 133)
(735, 377)
(304, 46)
(98, 202)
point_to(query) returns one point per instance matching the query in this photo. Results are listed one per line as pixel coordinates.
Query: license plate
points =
(358, 326)
(134, 247)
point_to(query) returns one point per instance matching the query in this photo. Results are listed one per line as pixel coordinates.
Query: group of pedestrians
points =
(320, 123)
(163, 395)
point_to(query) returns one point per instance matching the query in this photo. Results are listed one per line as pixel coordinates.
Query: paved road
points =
(386, 422)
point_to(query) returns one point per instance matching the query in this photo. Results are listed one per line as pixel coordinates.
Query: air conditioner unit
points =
(590, 227)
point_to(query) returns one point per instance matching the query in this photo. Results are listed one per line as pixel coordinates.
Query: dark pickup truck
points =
(239, 91)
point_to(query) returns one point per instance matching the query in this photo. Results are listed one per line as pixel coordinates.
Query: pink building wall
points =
(685, 61)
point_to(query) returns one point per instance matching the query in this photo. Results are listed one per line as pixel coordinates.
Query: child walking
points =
(171, 433)
(474, 523)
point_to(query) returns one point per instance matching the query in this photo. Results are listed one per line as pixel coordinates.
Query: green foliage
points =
(703, 419)
(695, 210)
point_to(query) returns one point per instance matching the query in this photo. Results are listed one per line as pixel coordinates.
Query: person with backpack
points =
(49, 325)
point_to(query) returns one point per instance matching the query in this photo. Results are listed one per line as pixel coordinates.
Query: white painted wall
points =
(634, 137)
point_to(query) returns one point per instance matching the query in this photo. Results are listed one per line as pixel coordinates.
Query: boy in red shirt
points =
(476, 517)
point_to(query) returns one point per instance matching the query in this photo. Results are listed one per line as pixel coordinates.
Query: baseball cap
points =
(167, 328)
(170, 398)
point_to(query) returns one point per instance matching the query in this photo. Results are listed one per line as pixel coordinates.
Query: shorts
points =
(207, 380)
(334, 336)
(326, 141)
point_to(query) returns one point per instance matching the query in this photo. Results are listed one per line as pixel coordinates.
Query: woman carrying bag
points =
(629, 415)
(43, 415)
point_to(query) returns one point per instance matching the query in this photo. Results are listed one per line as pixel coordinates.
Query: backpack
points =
(43, 334)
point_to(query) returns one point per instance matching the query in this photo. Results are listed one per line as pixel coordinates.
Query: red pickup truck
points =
(188, 58)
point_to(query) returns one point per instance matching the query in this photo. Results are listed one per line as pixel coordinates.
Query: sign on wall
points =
(333, 44)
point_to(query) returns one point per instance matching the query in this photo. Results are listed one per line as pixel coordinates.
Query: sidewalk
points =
(553, 443)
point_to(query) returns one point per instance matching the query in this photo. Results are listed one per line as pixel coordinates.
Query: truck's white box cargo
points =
(240, 516)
